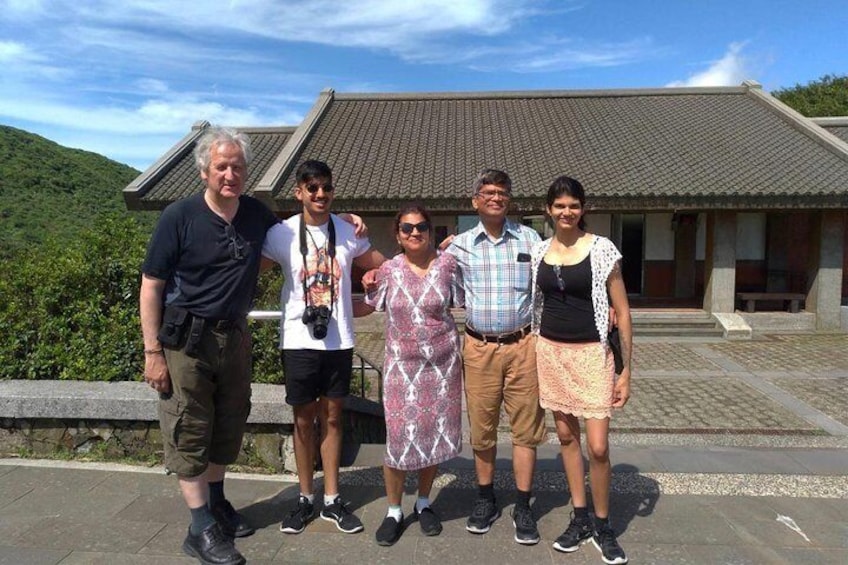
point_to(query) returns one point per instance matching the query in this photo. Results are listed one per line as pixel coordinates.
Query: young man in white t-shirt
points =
(317, 250)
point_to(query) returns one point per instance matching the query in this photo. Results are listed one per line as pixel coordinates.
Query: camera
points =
(319, 317)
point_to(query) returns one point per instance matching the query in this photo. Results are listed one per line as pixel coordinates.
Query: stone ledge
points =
(133, 401)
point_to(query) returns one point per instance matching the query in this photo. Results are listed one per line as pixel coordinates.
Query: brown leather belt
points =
(502, 339)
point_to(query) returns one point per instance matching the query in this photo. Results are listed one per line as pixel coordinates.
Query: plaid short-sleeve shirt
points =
(496, 276)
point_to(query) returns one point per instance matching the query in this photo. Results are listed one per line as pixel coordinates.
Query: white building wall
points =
(659, 237)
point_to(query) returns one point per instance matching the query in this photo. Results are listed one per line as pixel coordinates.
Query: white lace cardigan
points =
(603, 256)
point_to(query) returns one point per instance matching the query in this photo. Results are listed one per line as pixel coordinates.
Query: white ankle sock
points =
(422, 503)
(309, 497)
(395, 512)
(330, 499)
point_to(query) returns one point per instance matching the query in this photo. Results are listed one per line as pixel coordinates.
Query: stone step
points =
(678, 331)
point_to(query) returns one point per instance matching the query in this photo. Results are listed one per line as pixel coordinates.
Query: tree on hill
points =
(49, 189)
(827, 96)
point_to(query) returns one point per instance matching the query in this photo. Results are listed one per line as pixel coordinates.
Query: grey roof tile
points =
(662, 144)
(696, 148)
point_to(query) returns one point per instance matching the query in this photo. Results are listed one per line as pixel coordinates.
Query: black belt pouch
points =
(175, 323)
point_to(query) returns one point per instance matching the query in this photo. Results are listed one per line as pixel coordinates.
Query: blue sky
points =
(128, 78)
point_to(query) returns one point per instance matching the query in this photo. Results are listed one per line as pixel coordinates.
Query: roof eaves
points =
(831, 121)
(806, 126)
(145, 181)
(270, 182)
(524, 94)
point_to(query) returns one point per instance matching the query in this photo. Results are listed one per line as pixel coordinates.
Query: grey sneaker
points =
(577, 532)
(526, 532)
(344, 519)
(482, 517)
(296, 520)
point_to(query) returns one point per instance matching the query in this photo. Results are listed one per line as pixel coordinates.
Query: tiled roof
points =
(660, 148)
(177, 176)
(692, 148)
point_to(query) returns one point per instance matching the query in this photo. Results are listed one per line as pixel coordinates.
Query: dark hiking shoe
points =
(526, 532)
(482, 517)
(212, 547)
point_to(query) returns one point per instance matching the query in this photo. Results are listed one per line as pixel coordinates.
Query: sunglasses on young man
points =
(312, 188)
(422, 227)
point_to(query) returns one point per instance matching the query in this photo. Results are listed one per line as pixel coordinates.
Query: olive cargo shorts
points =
(203, 419)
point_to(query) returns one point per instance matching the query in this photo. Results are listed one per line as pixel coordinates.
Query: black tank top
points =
(568, 314)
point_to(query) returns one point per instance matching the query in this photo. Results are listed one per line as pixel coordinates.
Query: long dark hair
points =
(567, 186)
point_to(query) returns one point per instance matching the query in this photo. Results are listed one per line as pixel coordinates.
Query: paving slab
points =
(10, 555)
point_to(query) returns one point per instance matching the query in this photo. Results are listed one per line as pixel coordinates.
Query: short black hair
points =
(311, 169)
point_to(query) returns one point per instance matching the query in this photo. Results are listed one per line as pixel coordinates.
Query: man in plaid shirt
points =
(499, 353)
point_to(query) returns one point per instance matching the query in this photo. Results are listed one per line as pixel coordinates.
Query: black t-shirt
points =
(568, 314)
(210, 267)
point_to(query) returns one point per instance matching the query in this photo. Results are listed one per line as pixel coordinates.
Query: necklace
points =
(320, 254)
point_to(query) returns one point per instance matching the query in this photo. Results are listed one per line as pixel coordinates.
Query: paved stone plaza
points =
(729, 452)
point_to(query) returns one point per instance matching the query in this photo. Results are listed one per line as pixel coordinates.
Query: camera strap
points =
(331, 253)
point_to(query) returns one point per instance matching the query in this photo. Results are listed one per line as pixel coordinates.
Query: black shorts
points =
(311, 374)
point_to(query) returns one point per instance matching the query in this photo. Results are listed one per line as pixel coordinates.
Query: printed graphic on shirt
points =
(320, 275)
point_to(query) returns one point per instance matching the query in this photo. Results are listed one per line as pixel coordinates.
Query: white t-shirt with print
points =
(282, 244)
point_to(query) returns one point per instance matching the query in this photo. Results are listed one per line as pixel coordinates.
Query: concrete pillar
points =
(685, 236)
(720, 262)
(824, 288)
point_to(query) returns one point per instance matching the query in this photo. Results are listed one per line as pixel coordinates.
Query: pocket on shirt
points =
(522, 277)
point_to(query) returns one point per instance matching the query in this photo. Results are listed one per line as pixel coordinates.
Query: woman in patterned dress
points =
(422, 385)
(576, 278)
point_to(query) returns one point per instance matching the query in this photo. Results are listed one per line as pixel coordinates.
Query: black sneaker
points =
(345, 521)
(431, 524)
(526, 532)
(296, 520)
(604, 540)
(212, 547)
(389, 531)
(232, 523)
(577, 532)
(482, 517)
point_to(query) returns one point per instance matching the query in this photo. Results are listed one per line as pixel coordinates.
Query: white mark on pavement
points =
(790, 523)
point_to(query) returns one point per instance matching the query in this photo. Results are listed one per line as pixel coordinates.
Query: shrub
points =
(69, 308)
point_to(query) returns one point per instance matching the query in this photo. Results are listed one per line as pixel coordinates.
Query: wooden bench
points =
(751, 298)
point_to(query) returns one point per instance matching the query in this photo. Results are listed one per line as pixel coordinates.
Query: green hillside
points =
(46, 188)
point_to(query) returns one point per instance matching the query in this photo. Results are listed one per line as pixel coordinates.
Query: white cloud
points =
(730, 70)
(12, 52)
(151, 86)
(558, 55)
(404, 27)
(155, 116)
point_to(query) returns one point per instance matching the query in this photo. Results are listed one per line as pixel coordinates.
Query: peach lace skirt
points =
(575, 378)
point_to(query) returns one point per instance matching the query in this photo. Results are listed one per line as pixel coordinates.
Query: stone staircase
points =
(649, 323)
